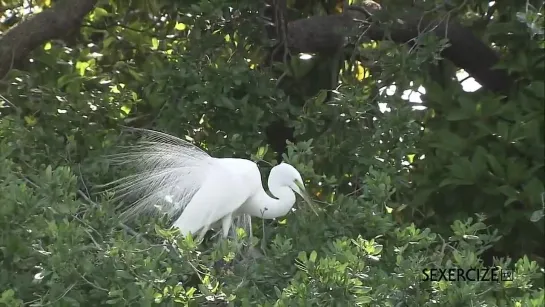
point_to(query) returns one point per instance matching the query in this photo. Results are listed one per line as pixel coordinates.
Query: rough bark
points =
(54, 23)
(322, 34)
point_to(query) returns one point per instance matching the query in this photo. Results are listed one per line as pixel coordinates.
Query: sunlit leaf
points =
(126, 109)
(100, 12)
(30, 120)
(81, 67)
(361, 72)
(180, 26)
(154, 43)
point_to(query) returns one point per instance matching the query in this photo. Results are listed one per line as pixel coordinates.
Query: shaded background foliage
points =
(452, 181)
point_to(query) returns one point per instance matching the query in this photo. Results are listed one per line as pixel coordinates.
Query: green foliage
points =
(60, 249)
(484, 152)
(399, 192)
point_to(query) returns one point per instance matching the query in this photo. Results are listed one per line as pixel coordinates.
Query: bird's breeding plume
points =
(175, 176)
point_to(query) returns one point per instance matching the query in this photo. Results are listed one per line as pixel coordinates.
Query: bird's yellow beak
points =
(305, 196)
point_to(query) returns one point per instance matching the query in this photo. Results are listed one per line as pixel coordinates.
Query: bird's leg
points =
(200, 238)
(226, 224)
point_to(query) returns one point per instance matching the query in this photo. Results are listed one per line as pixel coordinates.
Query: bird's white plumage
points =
(232, 177)
(177, 176)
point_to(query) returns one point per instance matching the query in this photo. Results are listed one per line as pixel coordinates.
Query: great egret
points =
(178, 176)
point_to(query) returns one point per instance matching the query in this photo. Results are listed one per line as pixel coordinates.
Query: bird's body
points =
(207, 190)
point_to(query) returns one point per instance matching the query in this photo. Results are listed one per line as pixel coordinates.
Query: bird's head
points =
(286, 175)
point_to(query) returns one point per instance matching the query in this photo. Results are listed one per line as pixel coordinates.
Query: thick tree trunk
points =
(54, 23)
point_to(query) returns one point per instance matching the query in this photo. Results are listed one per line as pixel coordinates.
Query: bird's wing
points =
(223, 192)
(168, 172)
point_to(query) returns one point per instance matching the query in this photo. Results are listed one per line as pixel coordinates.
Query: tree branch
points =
(54, 23)
(322, 34)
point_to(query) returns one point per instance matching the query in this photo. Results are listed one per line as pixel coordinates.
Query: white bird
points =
(178, 176)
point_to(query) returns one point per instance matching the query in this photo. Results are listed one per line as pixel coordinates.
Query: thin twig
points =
(60, 297)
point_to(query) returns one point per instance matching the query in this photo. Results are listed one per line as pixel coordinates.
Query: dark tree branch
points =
(55, 23)
(323, 34)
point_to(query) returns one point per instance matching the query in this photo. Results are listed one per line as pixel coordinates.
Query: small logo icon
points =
(506, 275)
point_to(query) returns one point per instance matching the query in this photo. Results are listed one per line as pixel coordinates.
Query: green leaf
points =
(453, 181)
(154, 43)
(124, 274)
(533, 190)
(503, 130)
(462, 169)
(277, 292)
(8, 294)
(180, 26)
(126, 109)
(321, 97)
(100, 12)
(112, 302)
(457, 115)
(478, 161)
(516, 171)
(261, 151)
(313, 256)
(468, 105)
(508, 191)
(495, 166)
(82, 67)
(226, 102)
(364, 299)
(30, 120)
(48, 173)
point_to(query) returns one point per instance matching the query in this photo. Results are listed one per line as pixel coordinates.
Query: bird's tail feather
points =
(167, 173)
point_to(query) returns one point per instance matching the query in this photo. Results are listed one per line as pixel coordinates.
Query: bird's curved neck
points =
(269, 207)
